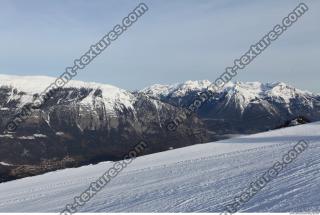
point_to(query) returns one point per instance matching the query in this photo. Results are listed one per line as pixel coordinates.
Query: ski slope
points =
(199, 178)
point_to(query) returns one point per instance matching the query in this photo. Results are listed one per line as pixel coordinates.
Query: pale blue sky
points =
(175, 41)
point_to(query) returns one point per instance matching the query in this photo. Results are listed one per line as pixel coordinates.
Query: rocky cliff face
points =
(87, 122)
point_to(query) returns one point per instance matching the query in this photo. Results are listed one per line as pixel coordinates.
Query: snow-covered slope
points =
(199, 178)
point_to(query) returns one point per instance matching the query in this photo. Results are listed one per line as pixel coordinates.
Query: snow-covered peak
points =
(241, 92)
(27, 84)
(37, 84)
(158, 90)
(181, 89)
(244, 93)
(34, 84)
(191, 86)
(247, 90)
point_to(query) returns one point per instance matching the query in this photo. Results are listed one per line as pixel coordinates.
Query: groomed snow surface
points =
(200, 178)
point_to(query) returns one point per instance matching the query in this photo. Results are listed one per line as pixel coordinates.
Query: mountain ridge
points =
(197, 84)
(85, 123)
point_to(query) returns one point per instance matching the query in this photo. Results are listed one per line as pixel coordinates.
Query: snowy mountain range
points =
(242, 107)
(89, 122)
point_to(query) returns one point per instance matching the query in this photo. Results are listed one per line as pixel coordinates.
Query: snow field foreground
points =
(199, 178)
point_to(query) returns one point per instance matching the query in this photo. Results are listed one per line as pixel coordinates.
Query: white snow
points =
(176, 89)
(37, 84)
(5, 164)
(26, 138)
(249, 90)
(243, 93)
(113, 98)
(6, 136)
(199, 178)
(60, 133)
(40, 135)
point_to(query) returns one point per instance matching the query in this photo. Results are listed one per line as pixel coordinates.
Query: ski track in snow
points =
(199, 178)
